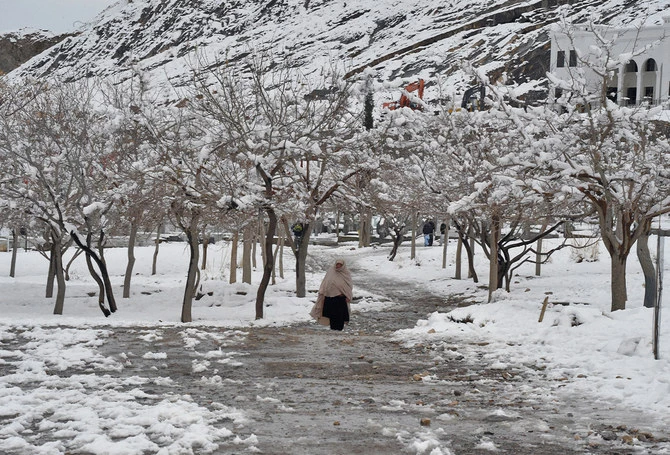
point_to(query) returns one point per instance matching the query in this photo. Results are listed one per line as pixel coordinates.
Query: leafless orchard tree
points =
(468, 164)
(51, 144)
(197, 183)
(397, 190)
(139, 199)
(298, 136)
(616, 158)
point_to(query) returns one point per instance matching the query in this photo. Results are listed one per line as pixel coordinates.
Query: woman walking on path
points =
(335, 294)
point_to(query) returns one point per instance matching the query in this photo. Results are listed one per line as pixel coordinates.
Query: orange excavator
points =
(405, 100)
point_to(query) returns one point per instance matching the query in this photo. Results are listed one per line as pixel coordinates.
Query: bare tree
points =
(297, 136)
(615, 157)
(51, 144)
(139, 201)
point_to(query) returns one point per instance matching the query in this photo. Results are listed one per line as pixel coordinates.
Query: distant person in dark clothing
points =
(428, 232)
(443, 233)
(298, 229)
(335, 294)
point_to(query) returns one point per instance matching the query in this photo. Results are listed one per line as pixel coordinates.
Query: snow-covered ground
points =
(608, 355)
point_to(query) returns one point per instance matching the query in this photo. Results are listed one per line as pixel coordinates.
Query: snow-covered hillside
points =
(400, 39)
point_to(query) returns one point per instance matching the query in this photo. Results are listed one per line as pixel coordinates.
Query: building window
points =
(649, 93)
(573, 58)
(631, 67)
(560, 59)
(650, 65)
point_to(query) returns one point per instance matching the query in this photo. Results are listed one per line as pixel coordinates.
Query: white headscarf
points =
(337, 282)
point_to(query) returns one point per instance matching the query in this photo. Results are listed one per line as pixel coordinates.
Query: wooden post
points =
(544, 307)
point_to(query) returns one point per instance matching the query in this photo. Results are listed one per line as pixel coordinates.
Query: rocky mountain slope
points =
(17, 48)
(400, 40)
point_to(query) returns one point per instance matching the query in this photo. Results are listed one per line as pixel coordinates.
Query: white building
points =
(637, 57)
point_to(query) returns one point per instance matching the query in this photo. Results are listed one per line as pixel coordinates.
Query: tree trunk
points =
(648, 269)
(253, 250)
(538, 258)
(278, 248)
(101, 286)
(51, 274)
(106, 286)
(205, 244)
(156, 248)
(267, 267)
(493, 259)
(101, 246)
(504, 267)
(469, 249)
(300, 259)
(364, 229)
(95, 276)
(538, 255)
(233, 257)
(274, 264)
(459, 250)
(471, 256)
(15, 247)
(445, 242)
(132, 238)
(261, 236)
(57, 260)
(337, 226)
(397, 241)
(281, 256)
(619, 295)
(412, 254)
(192, 275)
(246, 256)
(69, 263)
(104, 273)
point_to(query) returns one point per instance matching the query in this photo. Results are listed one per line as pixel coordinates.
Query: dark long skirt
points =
(337, 310)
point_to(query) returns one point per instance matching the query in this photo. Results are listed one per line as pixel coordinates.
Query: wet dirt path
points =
(307, 390)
